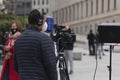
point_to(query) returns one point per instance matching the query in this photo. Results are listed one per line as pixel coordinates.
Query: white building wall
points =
(81, 23)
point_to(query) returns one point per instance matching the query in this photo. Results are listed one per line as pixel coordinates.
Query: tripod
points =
(62, 63)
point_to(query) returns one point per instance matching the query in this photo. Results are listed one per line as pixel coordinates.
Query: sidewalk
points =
(84, 69)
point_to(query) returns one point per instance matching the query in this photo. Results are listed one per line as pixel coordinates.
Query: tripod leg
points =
(61, 75)
(110, 62)
(63, 69)
(110, 66)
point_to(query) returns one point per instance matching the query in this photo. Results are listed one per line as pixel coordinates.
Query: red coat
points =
(12, 74)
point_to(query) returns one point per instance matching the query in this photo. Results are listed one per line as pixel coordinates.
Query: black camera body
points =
(67, 36)
(109, 32)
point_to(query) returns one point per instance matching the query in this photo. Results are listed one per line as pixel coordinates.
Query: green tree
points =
(5, 20)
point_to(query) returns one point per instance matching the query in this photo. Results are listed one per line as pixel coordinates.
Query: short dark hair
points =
(34, 17)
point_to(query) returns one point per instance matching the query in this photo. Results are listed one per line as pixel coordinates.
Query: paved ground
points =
(84, 70)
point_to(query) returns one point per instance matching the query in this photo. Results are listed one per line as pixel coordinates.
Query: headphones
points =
(39, 20)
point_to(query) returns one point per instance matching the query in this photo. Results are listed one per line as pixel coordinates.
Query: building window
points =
(96, 6)
(78, 11)
(19, 5)
(90, 26)
(96, 27)
(102, 6)
(47, 10)
(42, 2)
(77, 29)
(115, 4)
(81, 9)
(73, 12)
(28, 4)
(34, 2)
(57, 20)
(42, 10)
(66, 13)
(108, 5)
(91, 8)
(70, 13)
(113, 21)
(86, 8)
(47, 1)
(81, 30)
(23, 4)
(86, 29)
(38, 2)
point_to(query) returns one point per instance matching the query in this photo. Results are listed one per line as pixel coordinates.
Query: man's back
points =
(34, 56)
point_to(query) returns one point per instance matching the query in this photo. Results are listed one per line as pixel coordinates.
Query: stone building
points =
(83, 15)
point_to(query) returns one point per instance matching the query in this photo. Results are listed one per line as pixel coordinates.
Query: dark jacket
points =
(91, 38)
(34, 56)
(69, 46)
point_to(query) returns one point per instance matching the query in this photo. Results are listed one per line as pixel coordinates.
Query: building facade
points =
(10, 6)
(83, 15)
(23, 7)
(2, 6)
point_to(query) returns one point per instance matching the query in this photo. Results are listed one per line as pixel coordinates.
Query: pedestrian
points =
(91, 43)
(8, 72)
(68, 51)
(34, 54)
(100, 50)
(99, 47)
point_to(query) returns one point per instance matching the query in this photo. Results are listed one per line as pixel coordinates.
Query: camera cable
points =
(96, 64)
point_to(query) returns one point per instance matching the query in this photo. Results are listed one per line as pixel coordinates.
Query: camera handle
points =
(62, 63)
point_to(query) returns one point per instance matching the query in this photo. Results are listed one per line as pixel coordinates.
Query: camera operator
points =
(68, 51)
(65, 39)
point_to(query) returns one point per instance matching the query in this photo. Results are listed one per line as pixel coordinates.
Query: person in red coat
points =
(8, 72)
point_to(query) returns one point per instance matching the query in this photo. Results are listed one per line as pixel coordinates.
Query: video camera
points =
(67, 36)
